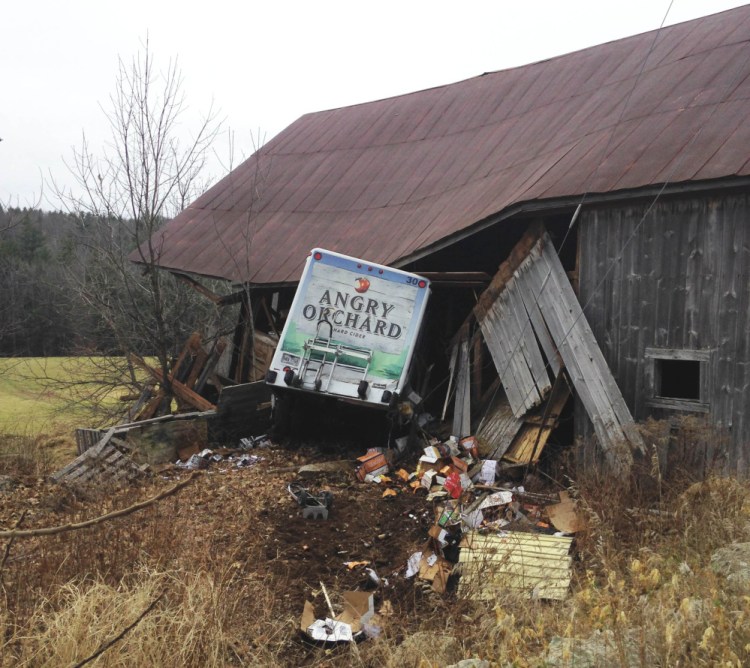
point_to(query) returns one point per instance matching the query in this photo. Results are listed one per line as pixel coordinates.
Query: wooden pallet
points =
(107, 460)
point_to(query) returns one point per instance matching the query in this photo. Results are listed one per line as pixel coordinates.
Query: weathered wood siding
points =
(677, 277)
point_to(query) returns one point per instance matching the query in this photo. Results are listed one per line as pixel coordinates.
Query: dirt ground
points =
(238, 519)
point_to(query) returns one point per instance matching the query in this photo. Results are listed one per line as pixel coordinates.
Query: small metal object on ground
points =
(315, 513)
(314, 506)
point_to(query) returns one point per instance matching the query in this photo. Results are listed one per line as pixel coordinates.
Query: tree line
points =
(60, 294)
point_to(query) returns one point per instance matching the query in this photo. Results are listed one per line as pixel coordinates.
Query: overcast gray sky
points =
(265, 64)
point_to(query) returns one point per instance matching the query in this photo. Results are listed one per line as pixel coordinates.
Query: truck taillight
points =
(318, 256)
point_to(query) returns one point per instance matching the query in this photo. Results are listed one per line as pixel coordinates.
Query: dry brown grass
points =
(193, 623)
(642, 579)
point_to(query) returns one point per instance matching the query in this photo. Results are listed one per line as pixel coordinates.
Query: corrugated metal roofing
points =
(388, 179)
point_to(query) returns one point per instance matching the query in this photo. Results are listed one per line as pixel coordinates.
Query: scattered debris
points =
(204, 459)
(359, 609)
(250, 442)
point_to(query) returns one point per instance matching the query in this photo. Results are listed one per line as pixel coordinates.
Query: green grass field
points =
(53, 394)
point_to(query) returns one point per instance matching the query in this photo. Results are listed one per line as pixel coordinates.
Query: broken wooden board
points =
(462, 406)
(593, 381)
(498, 428)
(87, 438)
(537, 564)
(509, 335)
(242, 410)
(531, 299)
(528, 445)
(180, 390)
(106, 461)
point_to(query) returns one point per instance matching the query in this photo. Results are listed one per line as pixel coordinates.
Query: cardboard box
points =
(373, 462)
(359, 608)
(431, 455)
(471, 445)
(459, 465)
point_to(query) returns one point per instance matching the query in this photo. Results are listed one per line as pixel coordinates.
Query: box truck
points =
(351, 331)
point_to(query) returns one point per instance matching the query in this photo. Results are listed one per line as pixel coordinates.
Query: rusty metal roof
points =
(389, 179)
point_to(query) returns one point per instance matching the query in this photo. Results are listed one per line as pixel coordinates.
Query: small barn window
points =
(678, 379)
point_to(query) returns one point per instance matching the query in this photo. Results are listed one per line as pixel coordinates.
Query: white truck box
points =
(351, 330)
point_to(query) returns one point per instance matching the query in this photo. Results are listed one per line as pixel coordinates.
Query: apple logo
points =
(361, 285)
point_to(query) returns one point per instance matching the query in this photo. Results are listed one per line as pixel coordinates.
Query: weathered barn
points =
(649, 135)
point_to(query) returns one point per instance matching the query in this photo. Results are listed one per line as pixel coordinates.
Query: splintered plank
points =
(179, 389)
(540, 328)
(504, 340)
(201, 356)
(498, 429)
(528, 343)
(210, 364)
(451, 376)
(462, 407)
(528, 446)
(592, 379)
(506, 325)
(151, 407)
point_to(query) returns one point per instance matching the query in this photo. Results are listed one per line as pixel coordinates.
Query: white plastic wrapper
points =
(329, 630)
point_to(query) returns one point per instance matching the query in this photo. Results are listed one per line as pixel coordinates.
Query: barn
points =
(627, 163)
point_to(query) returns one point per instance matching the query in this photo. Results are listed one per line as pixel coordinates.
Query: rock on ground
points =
(733, 563)
(599, 649)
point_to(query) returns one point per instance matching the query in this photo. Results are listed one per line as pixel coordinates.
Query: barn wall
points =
(681, 285)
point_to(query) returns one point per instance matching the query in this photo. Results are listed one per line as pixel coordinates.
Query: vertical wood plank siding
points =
(680, 279)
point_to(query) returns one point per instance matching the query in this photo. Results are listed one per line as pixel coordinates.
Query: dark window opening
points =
(679, 379)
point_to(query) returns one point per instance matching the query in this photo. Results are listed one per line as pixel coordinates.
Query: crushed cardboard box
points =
(359, 608)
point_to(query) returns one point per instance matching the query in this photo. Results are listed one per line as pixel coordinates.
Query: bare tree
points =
(143, 176)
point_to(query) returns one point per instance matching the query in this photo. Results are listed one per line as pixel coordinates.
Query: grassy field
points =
(43, 400)
(47, 395)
